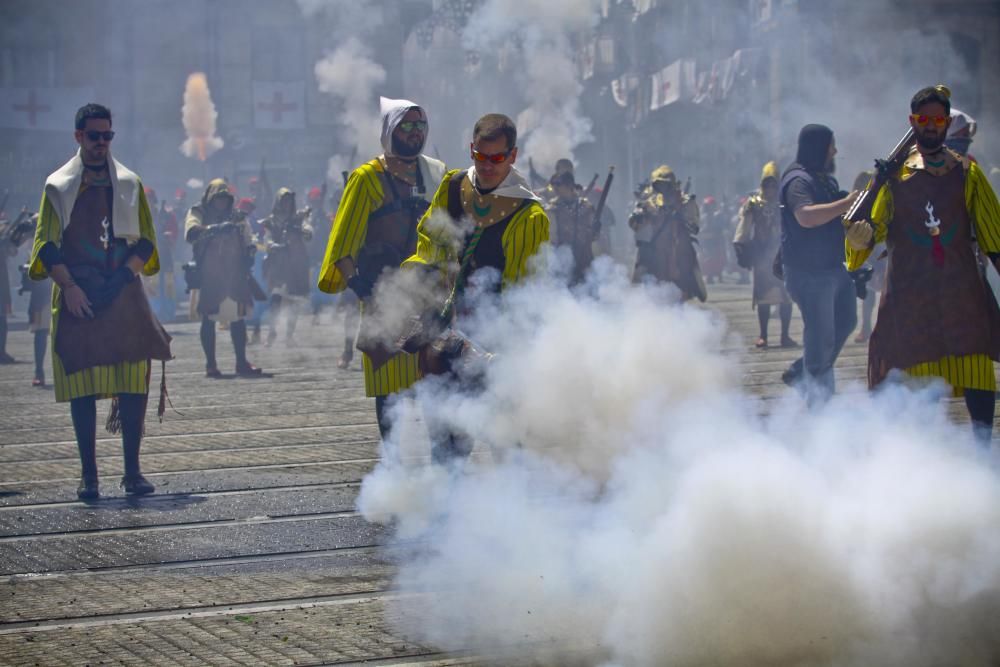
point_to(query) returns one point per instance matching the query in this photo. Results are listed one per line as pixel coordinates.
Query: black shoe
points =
(248, 370)
(7, 359)
(88, 489)
(136, 485)
(793, 374)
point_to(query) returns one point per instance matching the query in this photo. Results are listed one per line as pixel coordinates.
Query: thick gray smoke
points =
(628, 506)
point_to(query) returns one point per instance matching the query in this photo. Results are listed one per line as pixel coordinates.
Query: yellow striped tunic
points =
(436, 246)
(101, 381)
(362, 196)
(971, 371)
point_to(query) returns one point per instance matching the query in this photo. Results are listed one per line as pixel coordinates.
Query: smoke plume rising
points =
(633, 508)
(553, 123)
(351, 76)
(198, 116)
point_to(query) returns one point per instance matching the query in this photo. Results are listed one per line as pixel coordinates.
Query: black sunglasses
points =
(94, 136)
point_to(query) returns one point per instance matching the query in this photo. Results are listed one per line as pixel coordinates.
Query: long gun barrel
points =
(604, 198)
(861, 209)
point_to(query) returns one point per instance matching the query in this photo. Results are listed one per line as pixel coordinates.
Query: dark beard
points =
(402, 149)
(930, 144)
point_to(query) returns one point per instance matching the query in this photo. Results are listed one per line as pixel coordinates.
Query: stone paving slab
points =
(88, 594)
(187, 482)
(130, 514)
(110, 446)
(154, 463)
(107, 550)
(340, 632)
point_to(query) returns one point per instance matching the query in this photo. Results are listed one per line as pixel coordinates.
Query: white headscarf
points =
(392, 115)
(63, 185)
(515, 185)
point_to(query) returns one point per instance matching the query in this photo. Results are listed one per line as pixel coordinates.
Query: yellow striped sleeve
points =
(49, 229)
(882, 211)
(362, 195)
(521, 241)
(148, 231)
(981, 202)
(434, 238)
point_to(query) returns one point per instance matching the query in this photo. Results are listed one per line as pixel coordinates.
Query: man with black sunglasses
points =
(374, 230)
(938, 316)
(94, 237)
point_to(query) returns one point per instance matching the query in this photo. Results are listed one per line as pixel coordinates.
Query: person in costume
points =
(938, 317)
(94, 236)
(572, 218)
(163, 285)
(757, 240)
(12, 234)
(665, 222)
(375, 229)
(39, 314)
(286, 267)
(224, 251)
(483, 219)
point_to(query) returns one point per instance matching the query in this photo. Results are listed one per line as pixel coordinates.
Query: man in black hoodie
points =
(812, 255)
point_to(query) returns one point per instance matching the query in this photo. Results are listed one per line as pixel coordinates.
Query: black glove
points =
(861, 277)
(361, 286)
(104, 295)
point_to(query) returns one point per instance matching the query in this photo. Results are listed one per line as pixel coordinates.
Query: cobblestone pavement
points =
(251, 551)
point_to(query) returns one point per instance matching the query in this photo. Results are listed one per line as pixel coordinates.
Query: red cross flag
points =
(278, 105)
(674, 82)
(42, 108)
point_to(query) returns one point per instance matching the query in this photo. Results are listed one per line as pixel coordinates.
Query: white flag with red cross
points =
(279, 105)
(674, 82)
(42, 108)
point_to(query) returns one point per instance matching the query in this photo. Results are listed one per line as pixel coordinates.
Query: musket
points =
(604, 199)
(533, 175)
(590, 186)
(861, 209)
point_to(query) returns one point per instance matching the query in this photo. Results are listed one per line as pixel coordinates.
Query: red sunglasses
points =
(495, 158)
(922, 120)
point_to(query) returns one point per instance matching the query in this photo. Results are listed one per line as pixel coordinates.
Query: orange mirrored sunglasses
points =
(922, 120)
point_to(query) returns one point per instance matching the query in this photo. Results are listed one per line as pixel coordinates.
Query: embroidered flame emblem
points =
(105, 237)
(932, 224)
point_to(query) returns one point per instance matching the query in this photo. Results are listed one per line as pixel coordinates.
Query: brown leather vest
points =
(394, 223)
(935, 302)
(126, 330)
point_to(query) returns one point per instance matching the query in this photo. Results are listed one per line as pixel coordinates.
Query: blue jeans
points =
(829, 315)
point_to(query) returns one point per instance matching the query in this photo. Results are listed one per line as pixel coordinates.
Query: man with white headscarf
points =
(375, 229)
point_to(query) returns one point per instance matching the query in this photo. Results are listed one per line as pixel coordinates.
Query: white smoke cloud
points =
(553, 124)
(633, 508)
(351, 76)
(198, 116)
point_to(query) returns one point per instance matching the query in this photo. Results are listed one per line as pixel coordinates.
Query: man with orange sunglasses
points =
(938, 317)
(483, 229)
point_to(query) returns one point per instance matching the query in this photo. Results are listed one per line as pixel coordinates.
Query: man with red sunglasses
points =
(938, 317)
(487, 222)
